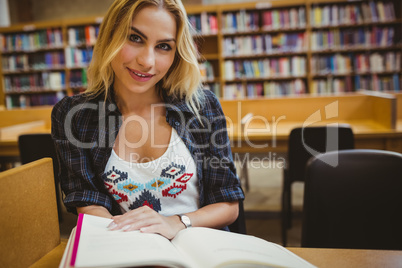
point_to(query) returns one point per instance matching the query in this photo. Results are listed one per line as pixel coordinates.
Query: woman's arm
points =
(147, 220)
(216, 215)
(95, 211)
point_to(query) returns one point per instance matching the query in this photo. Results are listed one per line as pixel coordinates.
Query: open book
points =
(91, 244)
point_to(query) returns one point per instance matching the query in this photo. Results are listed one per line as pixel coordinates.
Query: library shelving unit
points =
(355, 45)
(43, 62)
(265, 48)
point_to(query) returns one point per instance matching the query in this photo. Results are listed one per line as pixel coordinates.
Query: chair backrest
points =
(36, 146)
(29, 221)
(356, 204)
(239, 225)
(305, 142)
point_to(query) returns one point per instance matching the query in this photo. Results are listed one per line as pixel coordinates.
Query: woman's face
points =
(148, 52)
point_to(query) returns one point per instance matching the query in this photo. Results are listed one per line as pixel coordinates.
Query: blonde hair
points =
(183, 78)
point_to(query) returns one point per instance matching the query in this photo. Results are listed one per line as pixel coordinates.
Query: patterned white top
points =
(168, 184)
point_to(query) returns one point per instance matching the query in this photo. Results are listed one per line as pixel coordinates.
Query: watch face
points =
(185, 220)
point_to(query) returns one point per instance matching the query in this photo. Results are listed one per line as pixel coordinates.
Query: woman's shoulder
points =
(67, 103)
(211, 103)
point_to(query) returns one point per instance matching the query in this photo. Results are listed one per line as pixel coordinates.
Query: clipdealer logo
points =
(332, 135)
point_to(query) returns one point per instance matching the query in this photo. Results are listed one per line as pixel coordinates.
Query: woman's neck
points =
(137, 103)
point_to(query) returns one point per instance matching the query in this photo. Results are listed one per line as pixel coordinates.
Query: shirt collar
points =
(176, 104)
(173, 104)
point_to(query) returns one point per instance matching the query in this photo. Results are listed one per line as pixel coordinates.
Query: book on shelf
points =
(275, 67)
(78, 57)
(292, 18)
(264, 44)
(78, 78)
(284, 88)
(331, 85)
(31, 41)
(204, 23)
(234, 91)
(91, 244)
(36, 61)
(360, 63)
(23, 101)
(35, 82)
(353, 38)
(352, 13)
(241, 21)
(207, 71)
(84, 35)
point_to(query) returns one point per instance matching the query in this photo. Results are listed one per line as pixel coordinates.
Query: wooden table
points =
(21, 121)
(9, 136)
(353, 258)
(263, 137)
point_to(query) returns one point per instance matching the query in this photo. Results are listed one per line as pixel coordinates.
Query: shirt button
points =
(177, 123)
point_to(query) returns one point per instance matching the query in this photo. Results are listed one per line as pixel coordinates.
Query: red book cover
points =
(213, 24)
(267, 19)
(87, 35)
(77, 239)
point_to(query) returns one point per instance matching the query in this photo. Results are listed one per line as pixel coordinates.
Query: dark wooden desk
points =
(353, 258)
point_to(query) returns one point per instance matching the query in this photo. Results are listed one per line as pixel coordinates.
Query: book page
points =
(68, 251)
(215, 248)
(99, 247)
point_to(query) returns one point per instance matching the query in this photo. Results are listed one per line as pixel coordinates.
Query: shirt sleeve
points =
(222, 183)
(77, 179)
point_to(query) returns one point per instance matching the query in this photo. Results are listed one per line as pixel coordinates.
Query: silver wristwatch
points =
(185, 220)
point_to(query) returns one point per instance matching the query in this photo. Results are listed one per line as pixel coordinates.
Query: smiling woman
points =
(159, 158)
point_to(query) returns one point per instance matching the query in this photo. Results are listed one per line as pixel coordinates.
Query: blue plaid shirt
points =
(84, 131)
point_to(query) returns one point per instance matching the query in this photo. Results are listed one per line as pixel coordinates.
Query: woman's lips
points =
(140, 76)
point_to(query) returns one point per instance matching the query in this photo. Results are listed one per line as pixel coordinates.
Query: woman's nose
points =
(146, 58)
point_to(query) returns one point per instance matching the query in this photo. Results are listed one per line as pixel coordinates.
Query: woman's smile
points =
(140, 76)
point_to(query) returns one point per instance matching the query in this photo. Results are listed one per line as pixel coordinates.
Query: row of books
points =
(388, 62)
(72, 57)
(276, 19)
(356, 83)
(357, 13)
(31, 41)
(331, 85)
(276, 67)
(204, 23)
(359, 63)
(35, 82)
(272, 19)
(78, 57)
(241, 21)
(207, 71)
(23, 101)
(378, 83)
(37, 61)
(78, 78)
(353, 38)
(83, 35)
(264, 44)
(267, 89)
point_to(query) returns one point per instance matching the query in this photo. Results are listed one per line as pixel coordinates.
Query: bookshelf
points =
(247, 50)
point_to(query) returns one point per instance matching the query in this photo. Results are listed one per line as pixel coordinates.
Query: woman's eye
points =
(134, 38)
(164, 47)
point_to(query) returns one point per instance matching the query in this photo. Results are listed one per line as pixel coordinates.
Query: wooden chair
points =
(29, 221)
(356, 203)
(305, 142)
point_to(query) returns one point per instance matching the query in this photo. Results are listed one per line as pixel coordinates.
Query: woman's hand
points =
(147, 220)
